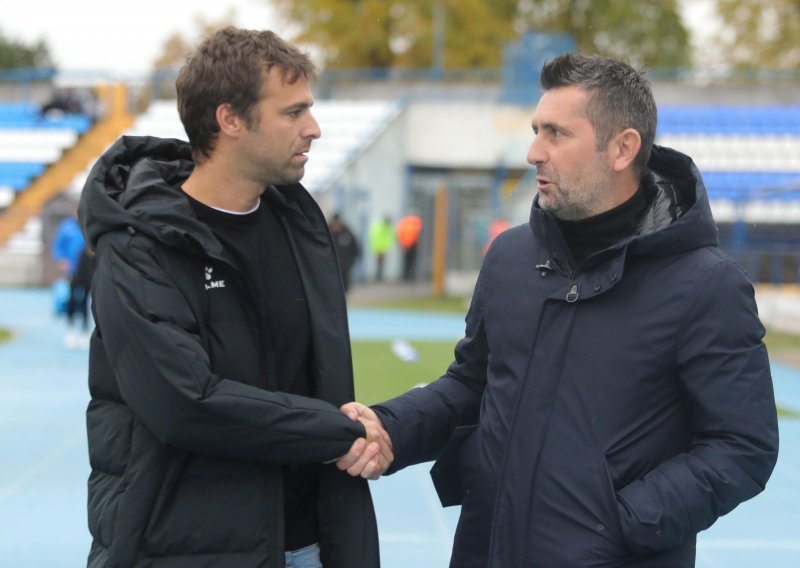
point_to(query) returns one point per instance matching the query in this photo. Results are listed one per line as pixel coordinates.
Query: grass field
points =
(380, 375)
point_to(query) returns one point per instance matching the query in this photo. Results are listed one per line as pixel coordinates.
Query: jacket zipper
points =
(574, 289)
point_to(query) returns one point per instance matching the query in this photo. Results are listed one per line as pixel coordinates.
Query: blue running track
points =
(44, 465)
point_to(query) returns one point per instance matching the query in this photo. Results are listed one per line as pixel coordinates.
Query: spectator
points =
(381, 240)
(408, 230)
(75, 265)
(63, 102)
(496, 227)
(347, 249)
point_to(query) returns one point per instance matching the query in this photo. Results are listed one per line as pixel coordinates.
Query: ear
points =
(230, 123)
(623, 148)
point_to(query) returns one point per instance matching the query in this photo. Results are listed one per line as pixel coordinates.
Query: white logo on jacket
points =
(210, 282)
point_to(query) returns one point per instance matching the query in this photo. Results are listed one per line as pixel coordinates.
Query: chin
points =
(291, 179)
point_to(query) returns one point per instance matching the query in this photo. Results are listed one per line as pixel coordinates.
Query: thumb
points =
(352, 410)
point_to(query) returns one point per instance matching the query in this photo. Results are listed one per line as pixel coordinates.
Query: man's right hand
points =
(368, 458)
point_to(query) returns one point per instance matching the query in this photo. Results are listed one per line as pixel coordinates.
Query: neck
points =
(588, 236)
(626, 187)
(212, 184)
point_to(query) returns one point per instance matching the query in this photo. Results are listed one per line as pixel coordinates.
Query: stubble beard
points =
(562, 205)
(286, 175)
(580, 200)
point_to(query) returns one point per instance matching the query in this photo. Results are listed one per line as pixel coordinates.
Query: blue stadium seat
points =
(18, 175)
(29, 142)
(26, 115)
(784, 186)
(721, 119)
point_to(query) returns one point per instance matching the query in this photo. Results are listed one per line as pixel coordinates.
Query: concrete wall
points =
(472, 135)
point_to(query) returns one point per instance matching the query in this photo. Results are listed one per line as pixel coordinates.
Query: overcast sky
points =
(124, 38)
(120, 38)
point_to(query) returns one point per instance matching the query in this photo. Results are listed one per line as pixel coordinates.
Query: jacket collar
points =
(135, 186)
(678, 218)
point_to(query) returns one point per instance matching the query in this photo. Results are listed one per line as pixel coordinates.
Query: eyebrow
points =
(299, 106)
(551, 126)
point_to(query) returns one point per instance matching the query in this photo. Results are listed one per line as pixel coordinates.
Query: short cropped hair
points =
(228, 67)
(619, 97)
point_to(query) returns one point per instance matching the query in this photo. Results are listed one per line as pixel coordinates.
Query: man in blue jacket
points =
(612, 395)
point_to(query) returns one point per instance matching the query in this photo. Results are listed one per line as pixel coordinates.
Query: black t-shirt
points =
(259, 246)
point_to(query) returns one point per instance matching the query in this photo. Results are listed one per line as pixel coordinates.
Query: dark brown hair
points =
(229, 67)
(619, 97)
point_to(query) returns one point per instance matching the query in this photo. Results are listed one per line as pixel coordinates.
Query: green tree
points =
(760, 33)
(400, 33)
(384, 33)
(643, 32)
(176, 48)
(174, 51)
(17, 55)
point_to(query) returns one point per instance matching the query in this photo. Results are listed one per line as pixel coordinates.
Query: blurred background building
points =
(426, 106)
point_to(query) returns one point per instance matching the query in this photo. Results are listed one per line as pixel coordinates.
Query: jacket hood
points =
(133, 187)
(679, 216)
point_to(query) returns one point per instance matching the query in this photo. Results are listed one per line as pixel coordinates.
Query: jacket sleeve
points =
(150, 336)
(421, 421)
(725, 377)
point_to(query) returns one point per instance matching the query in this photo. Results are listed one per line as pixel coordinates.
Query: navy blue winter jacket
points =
(604, 414)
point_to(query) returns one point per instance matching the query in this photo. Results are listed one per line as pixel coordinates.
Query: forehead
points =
(561, 105)
(277, 86)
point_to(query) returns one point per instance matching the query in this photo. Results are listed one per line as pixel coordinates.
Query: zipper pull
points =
(573, 294)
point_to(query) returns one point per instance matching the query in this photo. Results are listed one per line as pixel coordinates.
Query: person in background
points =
(381, 240)
(74, 262)
(408, 230)
(496, 227)
(62, 103)
(221, 353)
(612, 396)
(347, 249)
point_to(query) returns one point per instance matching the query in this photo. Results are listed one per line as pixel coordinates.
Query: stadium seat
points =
(347, 127)
(30, 142)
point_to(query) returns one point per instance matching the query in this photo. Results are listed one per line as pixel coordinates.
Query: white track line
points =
(45, 464)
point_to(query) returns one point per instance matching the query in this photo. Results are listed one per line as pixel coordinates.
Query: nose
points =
(536, 154)
(312, 129)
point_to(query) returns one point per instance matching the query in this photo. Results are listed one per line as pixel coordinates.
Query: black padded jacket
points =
(187, 436)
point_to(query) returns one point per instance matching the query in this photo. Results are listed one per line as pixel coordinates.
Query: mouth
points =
(543, 183)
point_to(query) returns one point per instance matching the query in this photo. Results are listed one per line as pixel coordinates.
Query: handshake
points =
(368, 457)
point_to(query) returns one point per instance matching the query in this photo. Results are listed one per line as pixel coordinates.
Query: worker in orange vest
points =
(408, 230)
(496, 227)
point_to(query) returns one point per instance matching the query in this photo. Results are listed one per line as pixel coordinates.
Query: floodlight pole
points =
(437, 24)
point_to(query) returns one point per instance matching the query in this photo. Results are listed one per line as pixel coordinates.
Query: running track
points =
(43, 461)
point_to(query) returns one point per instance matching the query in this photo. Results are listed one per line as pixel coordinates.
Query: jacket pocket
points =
(209, 506)
(610, 526)
(448, 473)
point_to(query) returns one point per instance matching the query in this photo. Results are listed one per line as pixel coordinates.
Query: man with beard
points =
(612, 396)
(221, 353)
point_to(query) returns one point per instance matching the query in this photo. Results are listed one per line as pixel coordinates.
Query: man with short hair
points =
(612, 395)
(221, 353)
